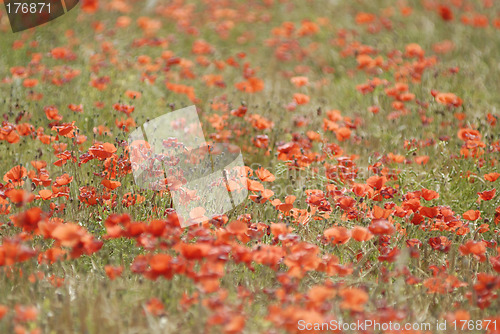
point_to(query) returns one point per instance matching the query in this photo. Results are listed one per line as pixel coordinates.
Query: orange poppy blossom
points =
(250, 85)
(15, 176)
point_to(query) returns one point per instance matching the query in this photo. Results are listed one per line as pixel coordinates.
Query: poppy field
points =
(371, 147)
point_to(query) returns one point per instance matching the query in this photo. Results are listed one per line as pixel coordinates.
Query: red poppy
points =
(353, 299)
(381, 227)
(25, 313)
(265, 175)
(251, 85)
(477, 248)
(66, 129)
(487, 195)
(492, 177)
(102, 151)
(112, 185)
(440, 243)
(472, 215)
(16, 175)
(155, 307)
(113, 271)
(19, 196)
(90, 6)
(285, 207)
(445, 12)
(301, 98)
(337, 235)
(3, 310)
(429, 195)
(360, 233)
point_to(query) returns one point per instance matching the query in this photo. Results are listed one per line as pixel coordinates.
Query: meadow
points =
(370, 135)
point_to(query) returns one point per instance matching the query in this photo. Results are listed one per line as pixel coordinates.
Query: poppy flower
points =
(251, 85)
(76, 107)
(237, 227)
(63, 180)
(381, 227)
(19, 196)
(261, 141)
(45, 194)
(477, 248)
(445, 12)
(343, 133)
(353, 299)
(429, 195)
(414, 50)
(240, 112)
(376, 182)
(422, 160)
(88, 195)
(90, 6)
(361, 234)
(235, 324)
(472, 215)
(15, 175)
(112, 185)
(68, 234)
(364, 18)
(3, 311)
(448, 99)
(161, 264)
(30, 82)
(278, 229)
(374, 109)
(52, 113)
(124, 108)
(125, 124)
(495, 263)
(132, 94)
(254, 185)
(262, 196)
(198, 215)
(4, 206)
(182, 89)
(300, 81)
(487, 195)
(301, 98)
(102, 151)
(389, 255)
(193, 251)
(265, 175)
(441, 243)
(38, 164)
(260, 122)
(466, 134)
(155, 307)
(337, 235)
(65, 129)
(202, 47)
(360, 190)
(113, 271)
(429, 212)
(442, 285)
(491, 177)
(285, 207)
(25, 313)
